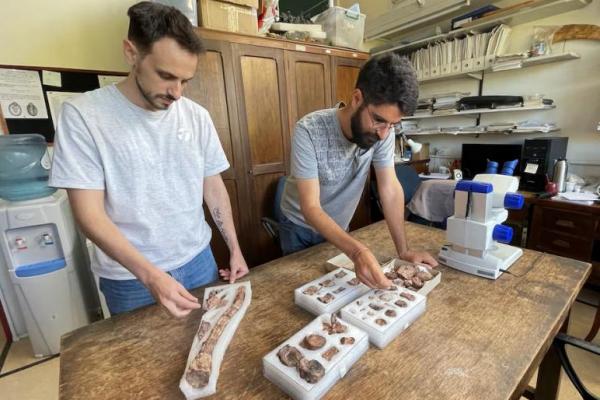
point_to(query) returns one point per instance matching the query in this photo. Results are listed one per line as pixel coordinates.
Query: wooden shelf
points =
(527, 62)
(537, 10)
(466, 132)
(482, 111)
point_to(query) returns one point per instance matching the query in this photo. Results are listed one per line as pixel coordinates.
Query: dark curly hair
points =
(389, 79)
(150, 22)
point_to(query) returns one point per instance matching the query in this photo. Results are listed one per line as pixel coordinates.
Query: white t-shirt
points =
(151, 166)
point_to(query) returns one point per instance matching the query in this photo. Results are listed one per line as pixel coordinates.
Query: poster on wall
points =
(21, 95)
(55, 100)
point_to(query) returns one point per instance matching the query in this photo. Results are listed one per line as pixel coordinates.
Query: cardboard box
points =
(226, 16)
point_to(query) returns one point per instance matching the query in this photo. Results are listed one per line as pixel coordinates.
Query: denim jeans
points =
(293, 238)
(126, 295)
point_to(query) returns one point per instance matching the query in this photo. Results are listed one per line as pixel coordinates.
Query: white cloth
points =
(434, 200)
(151, 165)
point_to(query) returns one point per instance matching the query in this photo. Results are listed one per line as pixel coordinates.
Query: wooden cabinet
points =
(264, 128)
(569, 230)
(213, 87)
(255, 90)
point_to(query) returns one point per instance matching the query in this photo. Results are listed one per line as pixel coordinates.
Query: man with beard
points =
(332, 151)
(137, 160)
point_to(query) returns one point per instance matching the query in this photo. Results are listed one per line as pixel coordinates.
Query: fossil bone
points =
(329, 353)
(313, 342)
(198, 373)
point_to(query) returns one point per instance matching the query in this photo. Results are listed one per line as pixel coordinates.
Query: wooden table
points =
(479, 339)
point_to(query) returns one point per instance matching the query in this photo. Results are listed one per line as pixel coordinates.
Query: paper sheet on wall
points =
(106, 80)
(21, 95)
(55, 101)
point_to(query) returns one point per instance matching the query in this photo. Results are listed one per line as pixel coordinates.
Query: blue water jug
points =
(24, 167)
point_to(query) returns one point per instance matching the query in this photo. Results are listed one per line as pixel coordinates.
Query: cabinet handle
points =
(565, 223)
(561, 243)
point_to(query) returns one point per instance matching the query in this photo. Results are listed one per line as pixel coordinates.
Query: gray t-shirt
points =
(151, 166)
(320, 150)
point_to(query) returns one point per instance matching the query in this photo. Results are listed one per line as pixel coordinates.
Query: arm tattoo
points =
(216, 213)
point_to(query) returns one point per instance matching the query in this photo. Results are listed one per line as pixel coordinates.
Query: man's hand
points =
(368, 270)
(171, 294)
(237, 268)
(419, 257)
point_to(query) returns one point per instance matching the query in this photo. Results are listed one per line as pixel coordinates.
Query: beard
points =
(154, 100)
(362, 138)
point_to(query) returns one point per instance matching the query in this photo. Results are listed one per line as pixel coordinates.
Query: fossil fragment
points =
(327, 283)
(214, 301)
(406, 271)
(329, 353)
(341, 274)
(359, 302)
(417, 283)
(311, 290)
(198, 373)
(339, 290)
(353, 282)
(408, 296)
(393, 288)
(381, 321)
(313, 342)
(399, 282)
(289, 355)
(347, 340)
(386, 297)
(370, 313)
(375, 306)
(204, 327)
(401, 303)
(391, 275)
(424, 276)
(390, 313)
(328, 298)
(311, 371)
(334, 326)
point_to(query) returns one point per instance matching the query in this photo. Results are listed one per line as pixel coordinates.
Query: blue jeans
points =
(293, 238)
(126, 295)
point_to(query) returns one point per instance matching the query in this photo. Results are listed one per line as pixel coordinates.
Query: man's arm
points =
(88, 209)
(392, 201)
(365, 264)
(217, 200)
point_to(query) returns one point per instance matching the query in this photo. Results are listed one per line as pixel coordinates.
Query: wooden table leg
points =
(548, 379)
(595, 326)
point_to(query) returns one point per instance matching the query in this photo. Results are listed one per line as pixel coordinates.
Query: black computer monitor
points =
(475, 157)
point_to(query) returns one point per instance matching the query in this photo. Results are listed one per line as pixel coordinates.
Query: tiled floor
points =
(40, 382)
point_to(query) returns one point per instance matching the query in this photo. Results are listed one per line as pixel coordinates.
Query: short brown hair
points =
(150, 22)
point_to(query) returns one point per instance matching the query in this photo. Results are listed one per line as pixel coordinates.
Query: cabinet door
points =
(309, 88)
(262, 108)
(345, 74)
(213, 88)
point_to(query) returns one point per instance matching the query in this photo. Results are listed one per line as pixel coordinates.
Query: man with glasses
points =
(332, 151)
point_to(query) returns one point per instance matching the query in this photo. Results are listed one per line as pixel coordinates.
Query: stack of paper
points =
(535, 126)
(445, 103)
(509, 61)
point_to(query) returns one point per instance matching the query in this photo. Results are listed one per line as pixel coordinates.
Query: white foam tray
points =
(428, 286)
(360, 313)
(342, 261)
(312, 304)
(288, 378)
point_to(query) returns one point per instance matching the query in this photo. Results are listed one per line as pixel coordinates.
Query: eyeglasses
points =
(383, 126)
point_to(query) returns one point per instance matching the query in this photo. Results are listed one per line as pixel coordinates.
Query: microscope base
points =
(501, 258)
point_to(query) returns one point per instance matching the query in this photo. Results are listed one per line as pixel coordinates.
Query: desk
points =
(479, 339)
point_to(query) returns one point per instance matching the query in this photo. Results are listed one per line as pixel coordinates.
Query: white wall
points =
(81, 34)
(573, 85)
